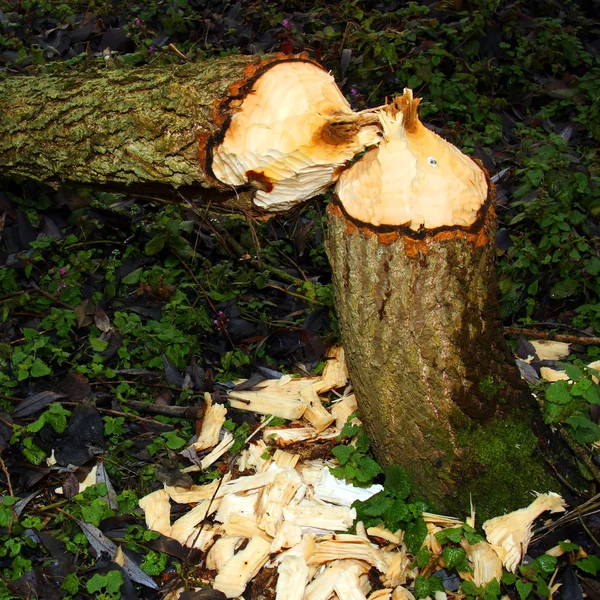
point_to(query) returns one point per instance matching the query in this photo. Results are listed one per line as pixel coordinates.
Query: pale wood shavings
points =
(247, 527)
(384, 534)
(157, 511)
(284, 436)
(239, 504)
(252, 457)
(275, 497)
(513, 531)
(222, 550)
(284, 459)
(287, 535)
(323, 585)
(398, 570)
(281, 399)
(328, 518)
(213, 456)
(337, 491)
(348, 546)
(335, 373)
(550, 349)
(242, 567)
(214, 417)
(401, 593)
(383, 594)
(316, 414)
(201, 538)
(293, 577)
(185, 526)
(348, 584)
(343, 409)
(486, 563)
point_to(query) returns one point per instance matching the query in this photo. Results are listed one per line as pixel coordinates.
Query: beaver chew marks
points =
(414, 178)
(292, 136)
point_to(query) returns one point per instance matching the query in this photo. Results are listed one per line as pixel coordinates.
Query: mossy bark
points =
(435, 380)
(146, 130)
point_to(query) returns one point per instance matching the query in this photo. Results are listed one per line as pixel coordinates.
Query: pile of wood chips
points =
(286, 513)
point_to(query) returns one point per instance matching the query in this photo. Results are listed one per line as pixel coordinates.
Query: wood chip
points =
(242, 567)
(157, 511)
(293, 577)
(214, 417)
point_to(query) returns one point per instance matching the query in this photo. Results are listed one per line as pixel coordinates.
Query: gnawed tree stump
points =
(412, 248)
(276, 128)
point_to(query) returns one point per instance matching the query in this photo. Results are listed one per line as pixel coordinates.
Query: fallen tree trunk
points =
(248, 131)
(412, 249)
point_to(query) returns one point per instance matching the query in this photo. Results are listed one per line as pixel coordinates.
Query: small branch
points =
(557, 337)
(53, 298)
(180, 412)
(8, 483)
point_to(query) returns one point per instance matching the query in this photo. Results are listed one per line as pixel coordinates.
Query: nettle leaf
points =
(396, 482)
(368, 469)
(415, 535)
(469, 588)
(422, 557)
(508, 578)
(453, 534)
(375, 506)
(559, 392)
(343, 453)
(397, 513)
(524, 588)
(362, 442)
(574, 373)
(589, 564)
(584, 430)
(39, 368)
(592, 394)
(454, 557)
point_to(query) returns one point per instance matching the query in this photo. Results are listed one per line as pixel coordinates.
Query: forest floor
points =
(118, 314)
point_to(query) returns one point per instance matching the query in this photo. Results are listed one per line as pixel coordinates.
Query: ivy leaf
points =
(71, 584)
(546, 563)
(492, 590)
(508, 578)
(524, 588)
(415, 535)
(568, 547)
(396, 482)
(174, 441)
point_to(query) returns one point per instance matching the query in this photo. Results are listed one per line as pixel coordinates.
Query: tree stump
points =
(412, 247)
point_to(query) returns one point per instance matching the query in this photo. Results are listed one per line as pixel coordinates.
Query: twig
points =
(557, 337)
(588, 531)
(181, 412)
(53, 298)
(8, 483)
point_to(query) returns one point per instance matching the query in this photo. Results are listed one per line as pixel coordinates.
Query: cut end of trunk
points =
(291, 136)
(414, 179)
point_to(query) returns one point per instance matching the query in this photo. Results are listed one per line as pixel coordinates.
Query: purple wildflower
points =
(286, 23)
(353, 92)
(138, 23)
(62, 271)
(150, 50)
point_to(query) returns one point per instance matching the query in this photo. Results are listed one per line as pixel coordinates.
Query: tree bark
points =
(155, 131)
(436, 383)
